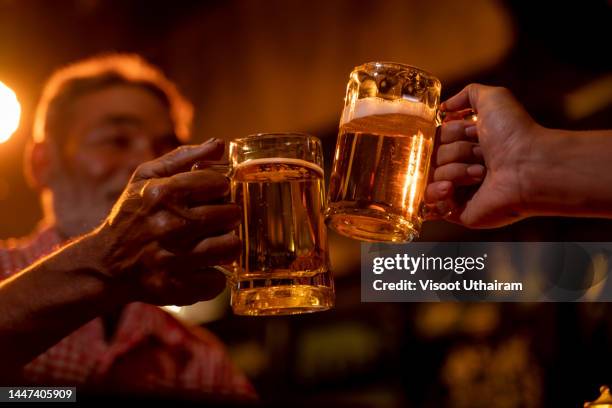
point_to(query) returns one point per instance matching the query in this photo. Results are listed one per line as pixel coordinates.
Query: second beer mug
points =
(383, 151)
(277, 179)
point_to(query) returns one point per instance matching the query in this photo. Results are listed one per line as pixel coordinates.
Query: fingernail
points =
(476, 170)
(471, 131)
(477, 151)
(211, 140)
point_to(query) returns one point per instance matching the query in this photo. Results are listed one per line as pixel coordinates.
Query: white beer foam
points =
(377, 106)
(281, 160)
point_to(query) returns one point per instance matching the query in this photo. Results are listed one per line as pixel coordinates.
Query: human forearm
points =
(153, 247)
(568, 173)
(50, 299)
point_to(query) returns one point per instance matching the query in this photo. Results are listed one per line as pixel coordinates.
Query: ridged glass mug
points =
(277, 179)
(382, 156)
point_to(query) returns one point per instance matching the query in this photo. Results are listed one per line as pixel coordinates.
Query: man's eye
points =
(119, 141)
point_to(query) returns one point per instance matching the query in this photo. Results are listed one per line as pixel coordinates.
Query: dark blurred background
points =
(253, 66)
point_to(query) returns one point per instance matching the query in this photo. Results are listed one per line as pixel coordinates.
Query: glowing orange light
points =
(10, 112)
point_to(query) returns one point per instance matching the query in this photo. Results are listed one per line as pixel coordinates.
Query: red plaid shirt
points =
(150, 351)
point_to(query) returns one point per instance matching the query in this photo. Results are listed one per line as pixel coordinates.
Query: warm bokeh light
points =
(10, 112)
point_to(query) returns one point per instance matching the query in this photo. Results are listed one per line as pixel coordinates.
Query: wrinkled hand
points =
(169, 227)
(477, 163)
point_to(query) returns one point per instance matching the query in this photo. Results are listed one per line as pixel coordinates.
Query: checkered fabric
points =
(150, 352)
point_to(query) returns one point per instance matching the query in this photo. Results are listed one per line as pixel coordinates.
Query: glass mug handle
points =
(224, 169)
(443, 209)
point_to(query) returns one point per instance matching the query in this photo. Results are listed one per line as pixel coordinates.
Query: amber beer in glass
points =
(383, 151)
(277, 179)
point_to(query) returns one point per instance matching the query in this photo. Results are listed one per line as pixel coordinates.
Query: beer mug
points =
(277, 179)
(383, 152)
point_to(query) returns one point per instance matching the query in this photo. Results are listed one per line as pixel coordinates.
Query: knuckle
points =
(154, 192)
(446, 129)
(439, 173)
(464, 149)
(478, 88)
(473, 87)
(451, 131)
(450, 172)
(502, 90)
(160, 224)
(455, 149)
(142, 169)
(166, 164)
(452, 152)
(448, 154)
(455, 127)
(442, 152)
(179, 150)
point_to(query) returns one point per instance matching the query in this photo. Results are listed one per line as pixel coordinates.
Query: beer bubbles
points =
(10, 112)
